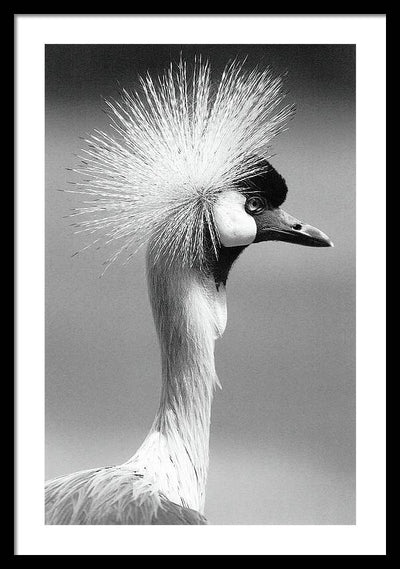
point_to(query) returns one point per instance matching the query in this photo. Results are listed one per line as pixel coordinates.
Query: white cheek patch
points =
(234, 225)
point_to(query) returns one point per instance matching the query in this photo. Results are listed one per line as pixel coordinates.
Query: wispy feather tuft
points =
(175, 146)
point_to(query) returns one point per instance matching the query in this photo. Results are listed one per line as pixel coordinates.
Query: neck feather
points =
(190, 314)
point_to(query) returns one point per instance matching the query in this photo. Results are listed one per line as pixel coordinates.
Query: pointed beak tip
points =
(326, 243)
(322, 239)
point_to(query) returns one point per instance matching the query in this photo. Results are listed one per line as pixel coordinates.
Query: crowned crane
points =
(186, 170)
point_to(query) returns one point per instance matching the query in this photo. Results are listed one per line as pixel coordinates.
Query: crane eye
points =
(255, 204)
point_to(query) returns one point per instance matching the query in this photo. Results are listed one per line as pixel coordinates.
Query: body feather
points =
(114, 495)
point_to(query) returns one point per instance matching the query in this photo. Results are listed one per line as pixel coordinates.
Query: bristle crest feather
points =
(176, 145)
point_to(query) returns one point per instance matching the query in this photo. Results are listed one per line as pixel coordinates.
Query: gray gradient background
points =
(283, 427)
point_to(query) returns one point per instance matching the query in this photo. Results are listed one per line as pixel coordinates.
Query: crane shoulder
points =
(114, 495)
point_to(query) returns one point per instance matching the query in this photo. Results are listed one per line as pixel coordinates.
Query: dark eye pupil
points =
(255, 204)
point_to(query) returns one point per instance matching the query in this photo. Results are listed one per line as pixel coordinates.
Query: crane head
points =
(254, 214)
(186, 168)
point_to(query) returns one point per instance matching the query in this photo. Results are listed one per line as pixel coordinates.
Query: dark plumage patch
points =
(172, 514)
(270, 184)
(220, 267)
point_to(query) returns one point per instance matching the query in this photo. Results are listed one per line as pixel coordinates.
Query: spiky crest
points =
(176, 145)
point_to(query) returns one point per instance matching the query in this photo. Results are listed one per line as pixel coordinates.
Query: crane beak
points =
(277, 225)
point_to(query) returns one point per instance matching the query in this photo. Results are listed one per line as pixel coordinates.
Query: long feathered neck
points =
(189, 313)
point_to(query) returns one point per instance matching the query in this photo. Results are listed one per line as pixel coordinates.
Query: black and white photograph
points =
(200, 323)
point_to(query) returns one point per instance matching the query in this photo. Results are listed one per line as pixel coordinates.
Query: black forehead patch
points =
(270, 184)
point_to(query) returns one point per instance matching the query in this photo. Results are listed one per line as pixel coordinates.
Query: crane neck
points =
(189, 312)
